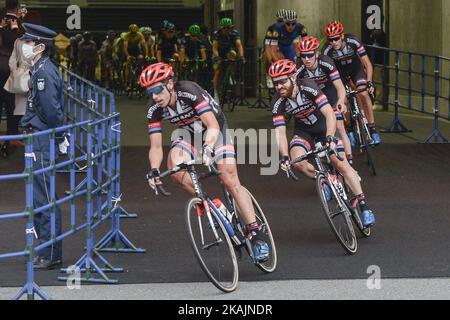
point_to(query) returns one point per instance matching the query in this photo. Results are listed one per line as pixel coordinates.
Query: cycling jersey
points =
(310, 123)
(192, 102)
(271, 33)
(192, 47)
(324, 76)
(167, 46)
(284, 39)
(226, 42)
(347, 59)
(134, 41)
(305, 107)
(106, 50)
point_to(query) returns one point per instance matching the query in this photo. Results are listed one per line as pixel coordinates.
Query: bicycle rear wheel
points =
(356, 216)
(356, 212)
(338, 216)
(215, 255)
(269, 265)
(365, 145)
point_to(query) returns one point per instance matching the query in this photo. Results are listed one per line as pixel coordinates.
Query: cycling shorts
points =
(307, 139)
(224, 147)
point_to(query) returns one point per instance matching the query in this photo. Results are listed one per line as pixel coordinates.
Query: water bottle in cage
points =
(223, 209)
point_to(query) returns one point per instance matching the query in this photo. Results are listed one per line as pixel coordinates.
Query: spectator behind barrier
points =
(10, 29)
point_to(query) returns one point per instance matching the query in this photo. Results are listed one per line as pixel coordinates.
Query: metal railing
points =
(93, 127)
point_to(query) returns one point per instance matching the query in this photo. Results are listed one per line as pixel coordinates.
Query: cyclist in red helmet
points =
(353, 64)
(313, 65)
(314, 121)
(203, 131)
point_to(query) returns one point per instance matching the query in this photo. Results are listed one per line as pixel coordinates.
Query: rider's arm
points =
(182, 53)
(273, 47)
(368, 66)
(125, 48)
(240, 47)
(330, 119)
(215, 48)
(155, 154)
(279, 122)
(212, 128)
(203, 54)
(281, 137)
(144, 45)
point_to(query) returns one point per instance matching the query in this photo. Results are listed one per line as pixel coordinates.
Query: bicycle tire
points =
(218, 280)
(368, 150)
(270, 264)
(356, 217)
(356, 214)
(350, 244)
(232, 93)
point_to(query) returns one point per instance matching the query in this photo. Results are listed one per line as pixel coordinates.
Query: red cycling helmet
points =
(155, 73)
(283, 67)
(334, 29)
(308, 44)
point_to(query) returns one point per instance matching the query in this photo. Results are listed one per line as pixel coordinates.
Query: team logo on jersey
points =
(41, 84)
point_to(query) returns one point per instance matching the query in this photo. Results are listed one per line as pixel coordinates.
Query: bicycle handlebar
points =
(312, 153)
(212, 171)
(351, 92)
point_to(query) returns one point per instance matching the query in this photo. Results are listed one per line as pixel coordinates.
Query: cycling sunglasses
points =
(282, 82)
(155, 90)
(307, 55)
(335, 39)
(291, 23)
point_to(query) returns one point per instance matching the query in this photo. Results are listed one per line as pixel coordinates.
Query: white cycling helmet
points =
(291, 16)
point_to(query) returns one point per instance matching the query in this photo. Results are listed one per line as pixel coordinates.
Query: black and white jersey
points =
(324, 75)
(348, 57)
(192, 102)
(304, 108)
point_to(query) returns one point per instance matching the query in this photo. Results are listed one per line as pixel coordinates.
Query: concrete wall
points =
(314, 14)
(416, 25)
(446, 28)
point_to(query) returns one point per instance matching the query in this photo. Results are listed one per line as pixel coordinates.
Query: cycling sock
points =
(372, 126)
(361, 200)
(349, 158)
(253, 231)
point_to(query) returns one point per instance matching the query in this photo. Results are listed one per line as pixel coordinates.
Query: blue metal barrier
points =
(426, 85)
(94, 150)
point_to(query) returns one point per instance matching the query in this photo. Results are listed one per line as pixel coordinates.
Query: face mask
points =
(28, 53)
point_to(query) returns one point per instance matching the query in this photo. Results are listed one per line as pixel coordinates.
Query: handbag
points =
(18, 81)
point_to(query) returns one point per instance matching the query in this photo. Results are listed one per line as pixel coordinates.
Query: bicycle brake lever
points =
(161, 190)
(292, 175)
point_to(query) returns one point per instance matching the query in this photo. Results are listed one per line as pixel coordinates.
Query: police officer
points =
(44, 111)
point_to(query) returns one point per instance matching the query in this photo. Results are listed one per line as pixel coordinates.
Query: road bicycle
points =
(360, 128)
(218, 238)
(338, 208)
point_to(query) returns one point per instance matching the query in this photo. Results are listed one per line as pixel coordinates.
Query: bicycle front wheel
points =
(269, 265)
(212, 246)
(338, 215)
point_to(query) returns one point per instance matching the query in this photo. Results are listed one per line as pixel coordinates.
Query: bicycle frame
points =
(206, 202)
(358, 117)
